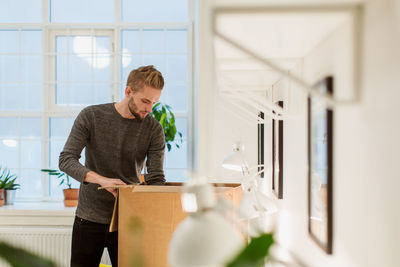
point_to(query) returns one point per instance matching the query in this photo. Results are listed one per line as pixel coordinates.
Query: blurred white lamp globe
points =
(205, 238)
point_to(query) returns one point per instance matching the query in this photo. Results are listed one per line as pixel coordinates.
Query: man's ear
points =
(128, 91)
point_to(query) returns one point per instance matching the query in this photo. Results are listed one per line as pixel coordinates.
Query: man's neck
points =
(123, 110)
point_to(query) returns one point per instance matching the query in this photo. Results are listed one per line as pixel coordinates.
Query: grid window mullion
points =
(47, 107)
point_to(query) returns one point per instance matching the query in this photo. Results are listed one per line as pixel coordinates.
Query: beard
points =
(134, 110)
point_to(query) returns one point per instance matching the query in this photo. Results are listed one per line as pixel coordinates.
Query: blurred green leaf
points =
(8, 179)
(163, 114)
(21, 258)
(255, 253)
(60, 175)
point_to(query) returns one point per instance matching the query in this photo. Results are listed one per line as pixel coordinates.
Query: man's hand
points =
(92, 177)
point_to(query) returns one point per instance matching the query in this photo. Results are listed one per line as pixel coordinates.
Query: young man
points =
(117, 137)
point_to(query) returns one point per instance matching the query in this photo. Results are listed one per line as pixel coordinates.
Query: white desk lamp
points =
(205, 238)
(254, 203)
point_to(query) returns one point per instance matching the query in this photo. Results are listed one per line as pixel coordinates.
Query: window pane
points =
(11, 131)
(176, 68)
(31, 97)
(8, 97)
(88, 11)
(9, 68)
(181, 126)
(21, 11)
(82, 61)
(153, 41)
(176, 175)
(31, 68)
(154, 10)
(61, 68)
(31, 185)
(177, 41)
(101, 68)
(156, 60)
(130, 41)
(79, 68)
(9, 152)
(177, 98)
(60, 127)
(62, 94)
(177, 157)
(81, 94)
(73, 94)
(31, 41)
(31, 127)
(129, 63)
(31, 153)
(102, 93)
(9, 40)
(56, 147)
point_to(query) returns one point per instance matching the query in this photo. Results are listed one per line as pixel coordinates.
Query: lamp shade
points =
(204, 239)
(235, 161)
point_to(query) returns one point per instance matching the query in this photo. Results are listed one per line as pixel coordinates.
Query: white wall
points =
(218, 129)
(367, 167)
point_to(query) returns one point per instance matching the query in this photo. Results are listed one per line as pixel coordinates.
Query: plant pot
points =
(71, 197)
(9, 196)
(1, 197)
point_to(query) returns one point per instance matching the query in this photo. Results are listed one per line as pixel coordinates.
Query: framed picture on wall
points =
(320, 168)
(277, 156)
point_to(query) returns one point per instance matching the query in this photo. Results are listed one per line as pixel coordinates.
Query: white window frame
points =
(50, 30)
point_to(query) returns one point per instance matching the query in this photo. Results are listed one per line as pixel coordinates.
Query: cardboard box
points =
(147, 216)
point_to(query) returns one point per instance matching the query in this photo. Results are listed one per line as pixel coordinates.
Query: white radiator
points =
(52, 243)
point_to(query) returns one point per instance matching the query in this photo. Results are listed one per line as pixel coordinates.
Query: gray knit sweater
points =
(116, 147)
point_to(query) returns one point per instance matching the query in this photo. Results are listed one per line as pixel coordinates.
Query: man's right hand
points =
(93, 177)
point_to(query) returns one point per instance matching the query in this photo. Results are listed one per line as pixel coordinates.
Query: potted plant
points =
(163, 114)
(70, 194)
(8, 186)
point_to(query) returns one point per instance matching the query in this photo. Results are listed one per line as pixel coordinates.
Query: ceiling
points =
(282, 37)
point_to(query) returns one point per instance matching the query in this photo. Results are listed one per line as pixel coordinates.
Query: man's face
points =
(141, 102)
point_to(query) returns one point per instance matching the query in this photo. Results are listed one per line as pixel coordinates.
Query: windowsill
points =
(37, 214)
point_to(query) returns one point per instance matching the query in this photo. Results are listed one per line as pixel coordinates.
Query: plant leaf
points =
(21, 258)
(255, 253)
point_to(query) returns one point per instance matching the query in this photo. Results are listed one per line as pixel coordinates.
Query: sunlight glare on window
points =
(126, 57)
(10, 142)
(85, 46)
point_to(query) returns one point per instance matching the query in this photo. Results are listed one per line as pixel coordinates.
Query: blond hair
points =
(146, 75)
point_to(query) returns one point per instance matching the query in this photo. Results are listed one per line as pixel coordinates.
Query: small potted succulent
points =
(8, 186)
(70, 194)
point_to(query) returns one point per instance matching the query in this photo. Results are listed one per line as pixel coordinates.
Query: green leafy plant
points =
(255, 253)
(7, 179)
(64, 178)
(163, 114)
(21, 258)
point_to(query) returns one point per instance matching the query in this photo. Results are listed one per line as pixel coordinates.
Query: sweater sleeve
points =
(77, 140)
(155, 157)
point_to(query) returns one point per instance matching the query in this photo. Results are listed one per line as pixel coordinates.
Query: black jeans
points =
(88, 242)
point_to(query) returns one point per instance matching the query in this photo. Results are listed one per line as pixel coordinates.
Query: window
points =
(54, 63)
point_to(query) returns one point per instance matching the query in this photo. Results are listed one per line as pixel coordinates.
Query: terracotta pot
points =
(71, 197)
(1, 197)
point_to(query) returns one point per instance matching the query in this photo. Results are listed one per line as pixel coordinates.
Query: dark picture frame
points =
(260, 133)
(277, 156)
(320, 168)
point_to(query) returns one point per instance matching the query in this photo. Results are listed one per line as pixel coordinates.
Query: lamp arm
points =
(256, 166)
